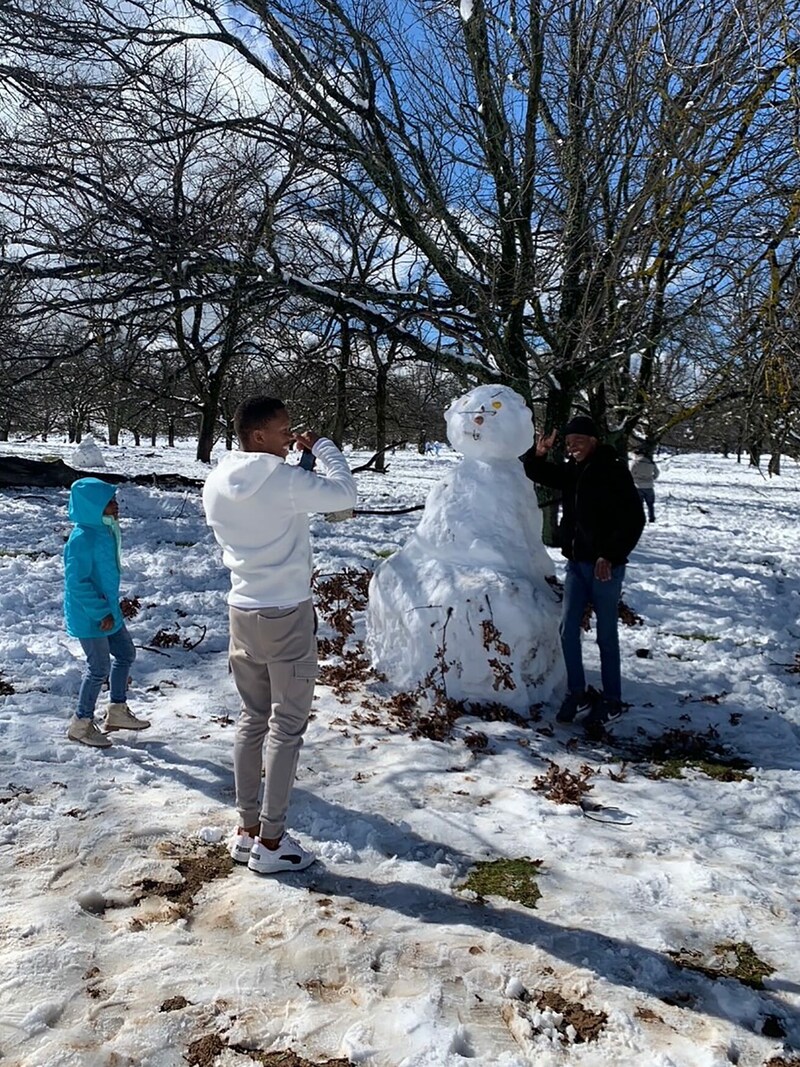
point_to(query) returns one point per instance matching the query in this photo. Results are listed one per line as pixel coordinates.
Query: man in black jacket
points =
(602, 519)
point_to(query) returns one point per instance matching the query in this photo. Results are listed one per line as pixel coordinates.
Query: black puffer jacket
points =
(602, 515)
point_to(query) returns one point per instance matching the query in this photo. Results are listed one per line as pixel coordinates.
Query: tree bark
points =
(381, 391)
(208, 419)
(342, 368)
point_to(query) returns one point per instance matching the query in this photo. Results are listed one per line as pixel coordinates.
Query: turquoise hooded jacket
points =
(91, 566)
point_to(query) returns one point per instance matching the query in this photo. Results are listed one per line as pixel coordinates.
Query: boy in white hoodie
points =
(258, 507)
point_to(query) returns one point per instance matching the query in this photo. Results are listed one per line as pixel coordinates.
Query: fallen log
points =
(389, 511)
(55, 474)
(167, 481)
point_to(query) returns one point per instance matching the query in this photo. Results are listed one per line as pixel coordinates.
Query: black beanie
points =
(581, 424)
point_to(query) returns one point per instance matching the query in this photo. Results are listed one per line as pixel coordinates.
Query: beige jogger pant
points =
(273, 659)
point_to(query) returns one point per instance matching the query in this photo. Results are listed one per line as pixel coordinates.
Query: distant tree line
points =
(115, 385)
(368, 207)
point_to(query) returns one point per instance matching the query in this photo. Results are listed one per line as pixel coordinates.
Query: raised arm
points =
(331, 488)
(539, 469)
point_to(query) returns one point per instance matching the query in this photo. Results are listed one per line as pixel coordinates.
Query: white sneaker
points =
(120, 717)
(86, 731)
(240, 847)
(288, 856)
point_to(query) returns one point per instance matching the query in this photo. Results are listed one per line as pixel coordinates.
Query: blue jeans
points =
(580, 589)
(648, 497)
(106, 657)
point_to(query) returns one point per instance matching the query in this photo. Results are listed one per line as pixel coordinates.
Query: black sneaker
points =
(605, 711)
(574, 706)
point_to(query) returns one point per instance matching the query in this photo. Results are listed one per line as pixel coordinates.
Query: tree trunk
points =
(205, 438)
(340, 408)
(381, 389)
(557, 409)
(209, 414)
(549, 517)
(113, 423)
(171, 433)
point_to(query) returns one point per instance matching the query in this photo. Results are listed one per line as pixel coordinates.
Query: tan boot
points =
(86, 731)
(120, 717)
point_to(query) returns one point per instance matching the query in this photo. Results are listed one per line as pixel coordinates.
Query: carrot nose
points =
(478, 420)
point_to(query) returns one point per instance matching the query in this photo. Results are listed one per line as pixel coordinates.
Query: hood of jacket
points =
(241, 474)
(88, 499)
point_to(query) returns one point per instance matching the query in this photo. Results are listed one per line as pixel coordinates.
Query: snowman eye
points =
(496, 404)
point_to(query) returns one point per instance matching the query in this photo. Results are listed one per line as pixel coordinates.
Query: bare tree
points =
(549, 193)
(145, 202)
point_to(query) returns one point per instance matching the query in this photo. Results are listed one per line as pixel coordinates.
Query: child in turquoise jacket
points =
(92, 612)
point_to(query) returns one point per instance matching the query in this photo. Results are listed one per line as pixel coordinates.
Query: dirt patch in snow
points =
(196, 869)
(587, 1024)
(175, 1004)
(548, 1013)
(204, 1051)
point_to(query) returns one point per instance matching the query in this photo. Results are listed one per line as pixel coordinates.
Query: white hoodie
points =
(258, 507)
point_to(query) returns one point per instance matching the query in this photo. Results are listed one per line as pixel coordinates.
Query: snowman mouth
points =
(478, 420)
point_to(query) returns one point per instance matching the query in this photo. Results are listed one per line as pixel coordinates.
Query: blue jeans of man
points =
(648, 498)
(580, 589)
(106, 657)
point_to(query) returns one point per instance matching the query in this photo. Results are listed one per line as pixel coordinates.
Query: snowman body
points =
(465, 603)
(87, 455)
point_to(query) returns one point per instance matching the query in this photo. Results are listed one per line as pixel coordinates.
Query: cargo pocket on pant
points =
(306, 670)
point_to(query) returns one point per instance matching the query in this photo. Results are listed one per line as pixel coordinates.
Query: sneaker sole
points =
(89, 744)
(283, 868)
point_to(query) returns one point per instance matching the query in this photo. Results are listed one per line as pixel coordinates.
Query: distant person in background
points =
(602, 520)
(644, 471)
(92, 562)
(258, 507)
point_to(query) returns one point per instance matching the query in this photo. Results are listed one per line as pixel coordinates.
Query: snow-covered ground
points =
(375, 954)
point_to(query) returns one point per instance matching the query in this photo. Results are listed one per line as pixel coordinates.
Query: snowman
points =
(87, 455)
(466, 601)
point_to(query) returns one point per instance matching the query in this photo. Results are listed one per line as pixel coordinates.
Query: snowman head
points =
(490, 422)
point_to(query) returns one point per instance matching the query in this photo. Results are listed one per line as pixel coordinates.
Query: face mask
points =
(109, 520)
